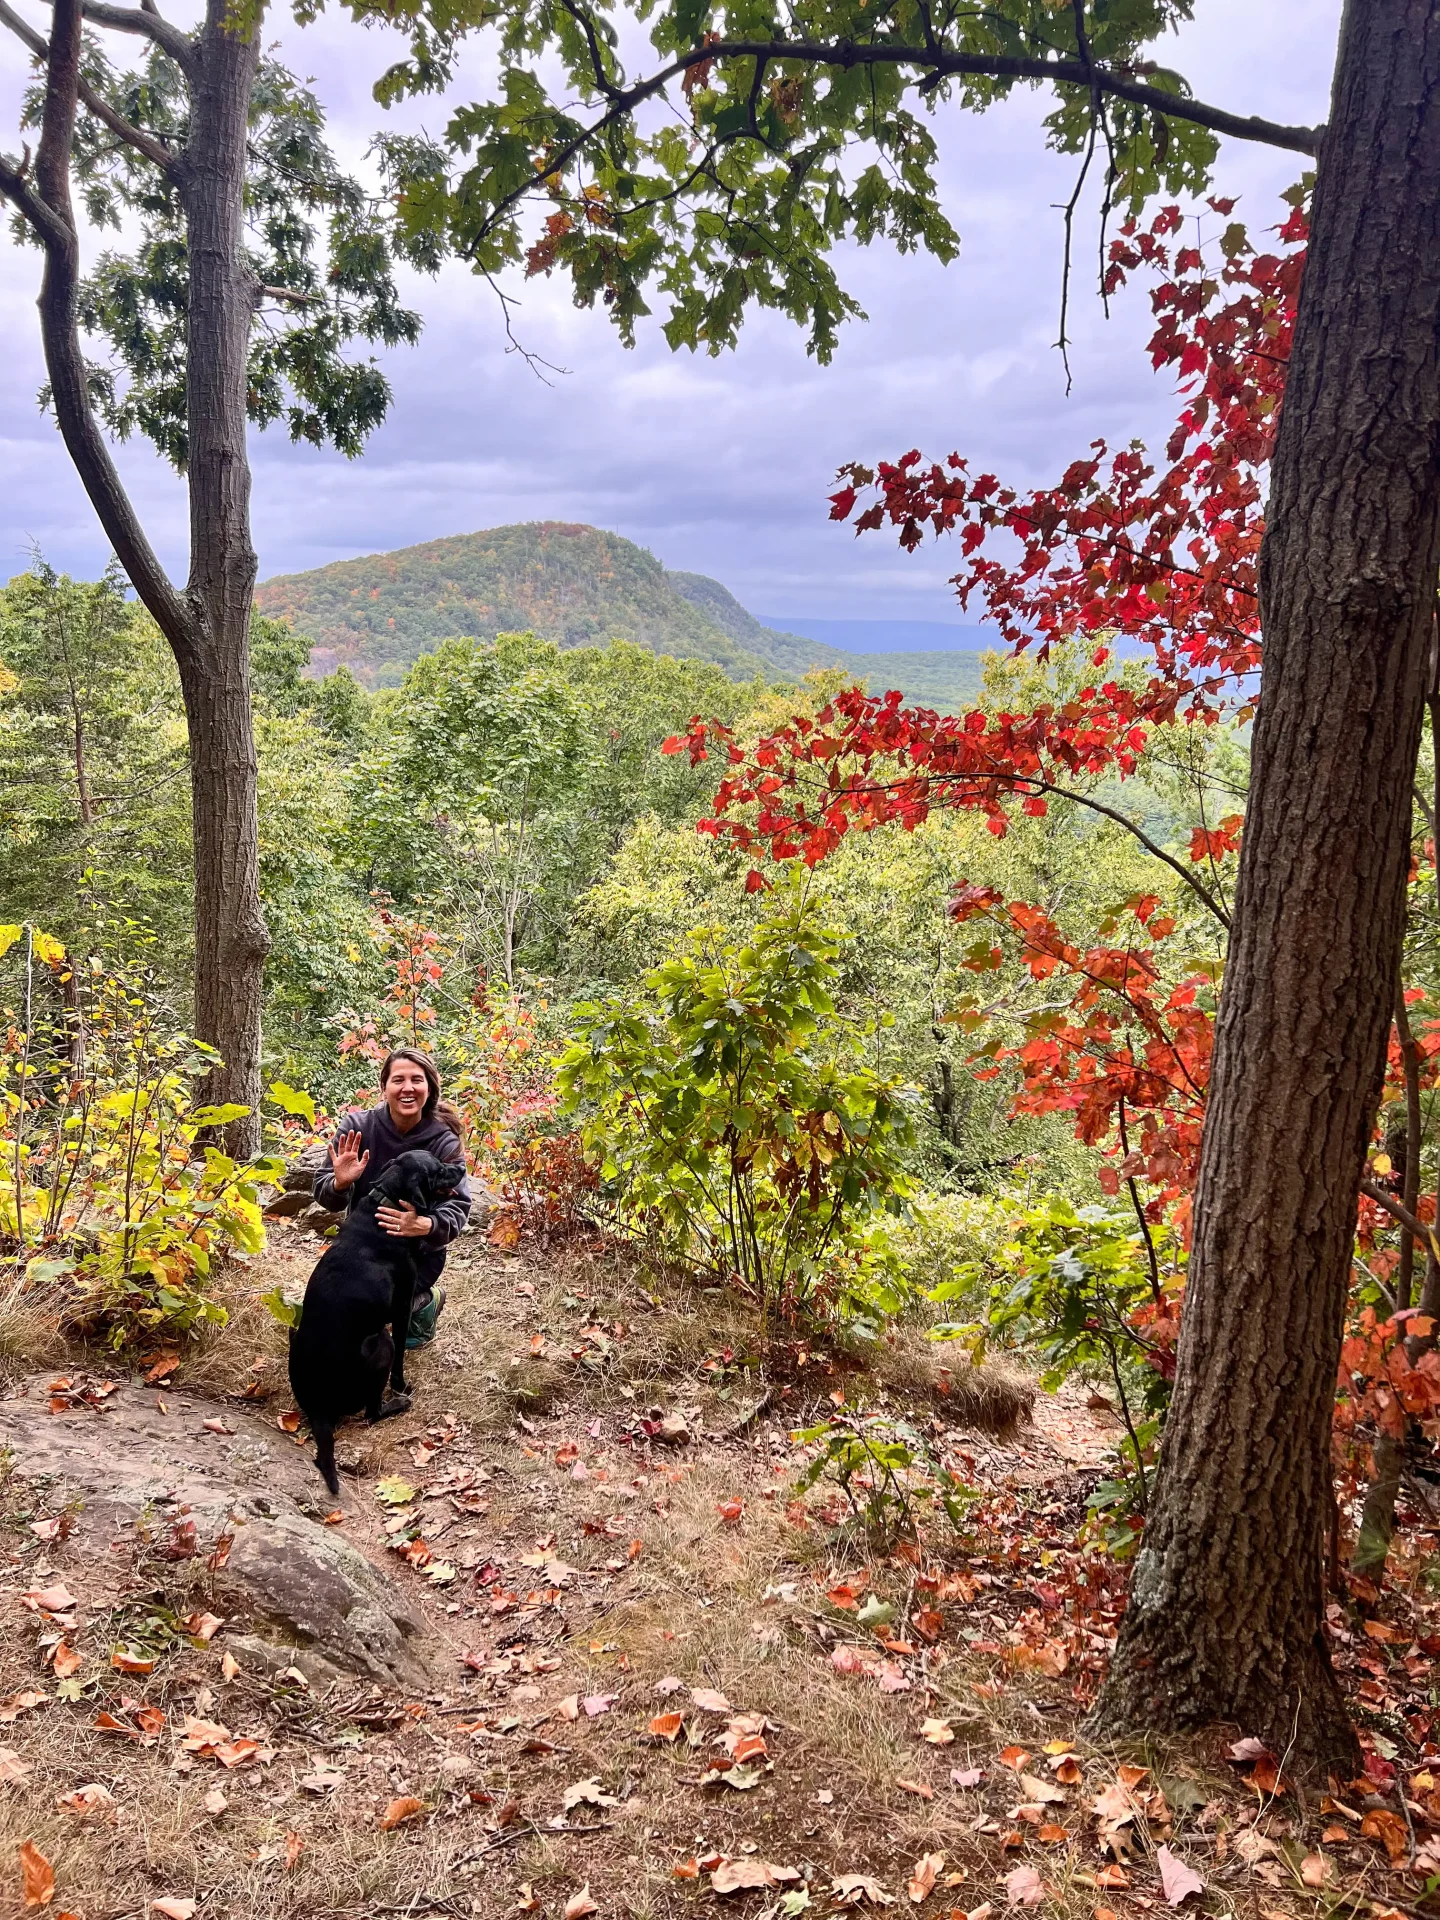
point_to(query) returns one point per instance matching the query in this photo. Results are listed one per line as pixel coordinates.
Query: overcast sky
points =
(717, 465)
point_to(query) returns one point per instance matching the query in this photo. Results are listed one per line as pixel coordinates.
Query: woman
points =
(411, 1114)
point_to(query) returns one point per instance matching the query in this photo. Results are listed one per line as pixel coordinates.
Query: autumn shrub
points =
(1087, 1291)
(737, 1123)
(109, 1188)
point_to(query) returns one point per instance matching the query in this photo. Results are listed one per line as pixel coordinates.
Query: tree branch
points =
(47, 206)
(151, 25)
(153, 148)
(1398, 1211)
(937, 66)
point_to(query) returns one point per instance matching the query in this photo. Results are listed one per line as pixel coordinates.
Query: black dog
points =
(351, 1336)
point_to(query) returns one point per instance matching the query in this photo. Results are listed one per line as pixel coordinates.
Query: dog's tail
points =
(324, 1433)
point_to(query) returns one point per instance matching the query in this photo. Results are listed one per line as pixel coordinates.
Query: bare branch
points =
(151, 25)
(289, 295)
(153, 148)
(1398, 1211)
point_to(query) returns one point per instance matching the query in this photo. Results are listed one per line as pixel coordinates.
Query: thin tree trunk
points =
(1225, 1622)
(207, 626)
(230, 936)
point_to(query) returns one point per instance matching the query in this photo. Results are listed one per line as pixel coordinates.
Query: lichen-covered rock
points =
(235, 1493)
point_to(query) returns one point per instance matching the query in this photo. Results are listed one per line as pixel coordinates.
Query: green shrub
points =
(736, 1120)
(106, 1185)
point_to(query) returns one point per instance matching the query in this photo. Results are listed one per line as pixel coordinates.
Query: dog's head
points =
(418, 1179)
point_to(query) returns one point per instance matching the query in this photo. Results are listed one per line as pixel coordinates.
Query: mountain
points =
(573, 584)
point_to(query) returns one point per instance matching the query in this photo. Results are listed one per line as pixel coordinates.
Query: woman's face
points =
(406, 1092)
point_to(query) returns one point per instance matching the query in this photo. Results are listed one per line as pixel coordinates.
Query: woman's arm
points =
(326, 1189)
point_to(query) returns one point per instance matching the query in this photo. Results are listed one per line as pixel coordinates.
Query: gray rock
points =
(293, 1591)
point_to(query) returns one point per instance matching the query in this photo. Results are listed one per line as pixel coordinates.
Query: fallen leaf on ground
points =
(741, 1873)
(322, 1780)
(850, 1889)
(215, 1802)
(939, 1733)
(966, 1776)
(229, 1665)
(709, 1701)
(92, 1798)
(1390, 1830)
(19, 1703)
(921, 1883)
(597, 1703)
(66, 1661)
(1014, 1758)
(1024, 1887)
(38, 1874)
(12, 1767)
(400, 1811)
(917, 1787)
(124, 1661)
(203, 1626)
(1315, 1870)
(217, 1426)
(579, 1904)
(730, 1512)
(588, 1793)
(1040, 1792)
(569, 1707)
(174, 1907)
(1177, 1880)
(666, 1726)
(294, 1847)
(669, 1684)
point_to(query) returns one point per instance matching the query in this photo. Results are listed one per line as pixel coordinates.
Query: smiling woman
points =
(410, 1114)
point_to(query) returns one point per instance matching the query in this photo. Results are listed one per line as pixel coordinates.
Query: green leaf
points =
(392, 1491)
(293, 1100)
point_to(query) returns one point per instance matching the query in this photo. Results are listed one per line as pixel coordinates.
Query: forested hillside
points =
(574, 585)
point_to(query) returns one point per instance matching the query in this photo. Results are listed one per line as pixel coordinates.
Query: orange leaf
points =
(579, 1904)
(400, 1811)
(66, 1661)
(685, 1870)
(38, 1873)
(289, 1422)
(730, 1512)
(666, 1726)
(174, 1907)
(125, 1662)
(294, 1847)
(1390, 1830)
(917, 1787)
(1014, 1758)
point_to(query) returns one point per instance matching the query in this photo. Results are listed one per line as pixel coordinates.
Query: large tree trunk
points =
(1225, 1622)
(230, 937)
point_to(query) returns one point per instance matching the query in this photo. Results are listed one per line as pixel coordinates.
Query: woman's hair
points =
(435, 1107)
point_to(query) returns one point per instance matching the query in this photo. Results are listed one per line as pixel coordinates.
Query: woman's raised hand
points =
(347, 1160)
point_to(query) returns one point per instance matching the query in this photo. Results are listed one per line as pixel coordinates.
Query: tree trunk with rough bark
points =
(230, 937)
(1225, 1622)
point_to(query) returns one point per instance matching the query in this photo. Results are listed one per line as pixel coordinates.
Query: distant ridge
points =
(576, 585)
(892, 636)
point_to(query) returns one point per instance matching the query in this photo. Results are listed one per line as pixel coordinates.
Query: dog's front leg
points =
(402, 1300)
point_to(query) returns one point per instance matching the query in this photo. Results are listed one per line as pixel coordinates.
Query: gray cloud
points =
(718, 465)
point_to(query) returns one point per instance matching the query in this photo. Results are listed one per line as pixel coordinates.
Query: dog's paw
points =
(388, 1411)
(331, 1479)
